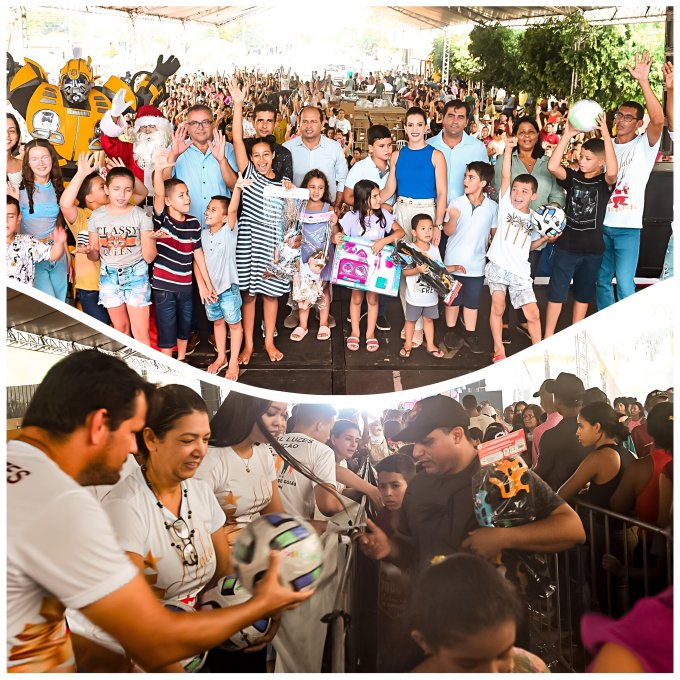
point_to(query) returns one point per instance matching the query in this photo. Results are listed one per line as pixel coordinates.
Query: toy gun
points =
(437, 276)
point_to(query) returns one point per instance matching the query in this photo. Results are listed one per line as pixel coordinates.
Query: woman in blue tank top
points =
(418, 177)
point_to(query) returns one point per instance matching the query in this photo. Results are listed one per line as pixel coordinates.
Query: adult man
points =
(265, 119)
(560, 452)
(547, 402)
(477, 418)
(458, 147)
(201, 161)
(642, 440)
(150, 132)
(636, 155)
(437, 516)
(61, 547)
(312, 150)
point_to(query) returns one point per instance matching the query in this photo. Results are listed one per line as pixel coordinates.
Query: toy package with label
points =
(284, 209)
(355, 266)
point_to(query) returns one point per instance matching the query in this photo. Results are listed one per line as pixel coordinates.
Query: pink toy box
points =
(355, 266)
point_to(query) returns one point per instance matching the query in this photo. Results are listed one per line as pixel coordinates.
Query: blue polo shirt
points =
(203, 177)
(468, 150)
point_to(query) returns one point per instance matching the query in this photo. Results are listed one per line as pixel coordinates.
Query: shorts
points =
(413, 313)
(173, 316)
(471, 292)
(124, 285)
(227, 307)
(501, 280)
(583, 268)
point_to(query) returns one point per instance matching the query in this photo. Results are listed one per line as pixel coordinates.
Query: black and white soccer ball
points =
(549, 219)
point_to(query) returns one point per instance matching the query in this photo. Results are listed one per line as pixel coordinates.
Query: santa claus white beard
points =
(145, 144)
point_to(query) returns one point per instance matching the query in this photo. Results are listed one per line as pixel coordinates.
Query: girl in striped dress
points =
(258, 236)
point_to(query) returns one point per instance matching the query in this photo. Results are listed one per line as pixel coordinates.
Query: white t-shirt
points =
(419, 293)
(297, 491)
(468, 244)
(627, 202)
(343, 125)
(481, 421)
(61, 552)
(241, 494)
(367, 169)
(512, 242)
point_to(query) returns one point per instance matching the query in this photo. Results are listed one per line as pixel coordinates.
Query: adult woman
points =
(239, 465)
(532, 417)
(13, 144)
(168, 522)
(636, 413)
(41, 189)
(602, 468)
(418, 177)
(258, 236)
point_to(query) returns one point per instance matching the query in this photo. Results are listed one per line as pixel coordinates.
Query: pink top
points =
(550, 421)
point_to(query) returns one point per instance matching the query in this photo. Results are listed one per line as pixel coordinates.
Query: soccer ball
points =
(549, 219)
(226, 593)
(193, 663)
(583, 115)
(296, 540)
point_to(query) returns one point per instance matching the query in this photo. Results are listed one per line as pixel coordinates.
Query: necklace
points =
(245, 461)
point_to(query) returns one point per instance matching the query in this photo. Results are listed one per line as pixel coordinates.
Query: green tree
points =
(461, 63)
(496, 49)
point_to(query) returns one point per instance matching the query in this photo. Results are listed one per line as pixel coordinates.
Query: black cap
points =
(568, 387)
(431, 413)
(544, 387)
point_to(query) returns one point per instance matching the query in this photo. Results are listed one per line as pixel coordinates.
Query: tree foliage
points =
(496, 48)
(461, 63)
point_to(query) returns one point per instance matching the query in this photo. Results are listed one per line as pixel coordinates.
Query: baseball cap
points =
(544, 387)
(567, 386)
(431, 413)
(656, 397)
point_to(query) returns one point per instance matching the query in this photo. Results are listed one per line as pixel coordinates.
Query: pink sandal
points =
(372, 345)
(352, 343)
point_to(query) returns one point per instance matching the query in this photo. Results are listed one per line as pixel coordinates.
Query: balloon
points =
(583, 115)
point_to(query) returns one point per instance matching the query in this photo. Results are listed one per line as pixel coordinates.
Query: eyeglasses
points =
(181, 529)
(625, 116)
(42, 159)
(200, 123)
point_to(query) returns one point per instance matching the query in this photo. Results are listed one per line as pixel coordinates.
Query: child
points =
(508, 267)
(87, 189)
(369, 221)
(471, 218)
(23, 250)
(578, 253)
(464, 617)
(421, 299)
(122, 236)
(220, 291)
(395, 651)
(314, 239)
(179, 253)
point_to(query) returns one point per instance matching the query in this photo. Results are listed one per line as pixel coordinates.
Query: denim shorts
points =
(172, 311)
(413, 313)
(583, 268)
(501, 280)
(471, 292)
(227, 307)
(124, 285)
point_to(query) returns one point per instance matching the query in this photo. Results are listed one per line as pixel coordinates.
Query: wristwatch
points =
(440, 227)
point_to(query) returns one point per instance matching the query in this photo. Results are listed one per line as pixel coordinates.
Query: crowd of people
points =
(174, 213)
(169, 489)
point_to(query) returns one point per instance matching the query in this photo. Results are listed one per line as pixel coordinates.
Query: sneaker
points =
(383, 324)
(292, 320)
(453, 341)
(523, 330)
(505, 337)
(276, 333)
(472, 342)
(192, 343)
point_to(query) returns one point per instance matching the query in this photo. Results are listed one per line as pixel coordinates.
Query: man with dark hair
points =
(438, 515)
(636, 155)
(477, 419)
(560, 451)
(265, 119)
(547, 403)
(61, 547)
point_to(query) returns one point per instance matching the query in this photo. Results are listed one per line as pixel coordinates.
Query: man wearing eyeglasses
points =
(636, 155)
(61, 547)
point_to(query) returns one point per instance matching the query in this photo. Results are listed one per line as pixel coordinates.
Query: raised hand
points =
(114, 163)
(218, 145)
(242, 183)
(643, 64)
(118, 104)
(511, 143)
(85, 164)
(667, 70)
(179, 140)
(237, 94)
(161, 159)
(601, 124)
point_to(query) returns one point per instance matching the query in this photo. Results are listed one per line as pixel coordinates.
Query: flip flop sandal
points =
(298, 334)
(324, 333)
(352, 343)
(372, 345)
(406, 353)
(498, 357)
(436, 353)
(220, 369)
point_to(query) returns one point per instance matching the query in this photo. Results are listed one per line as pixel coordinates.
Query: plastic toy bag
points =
(314, 267)
(283, 209)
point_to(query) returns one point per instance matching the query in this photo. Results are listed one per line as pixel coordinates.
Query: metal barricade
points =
(638, 557)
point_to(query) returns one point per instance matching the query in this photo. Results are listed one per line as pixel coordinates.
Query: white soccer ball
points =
(549, 219)
(583, 115)
(227, 592)
(193, 663)
(299, 545)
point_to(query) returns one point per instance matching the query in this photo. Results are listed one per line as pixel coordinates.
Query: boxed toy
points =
(355, 266)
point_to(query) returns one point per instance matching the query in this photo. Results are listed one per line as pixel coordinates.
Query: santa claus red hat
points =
(149, 115)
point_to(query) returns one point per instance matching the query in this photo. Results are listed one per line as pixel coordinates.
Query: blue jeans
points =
(89, 301)
(667, 270)
(173, 316)
(51, 278)
(621, 250)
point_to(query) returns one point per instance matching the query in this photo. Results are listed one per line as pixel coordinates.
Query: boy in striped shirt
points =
(179, 252)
